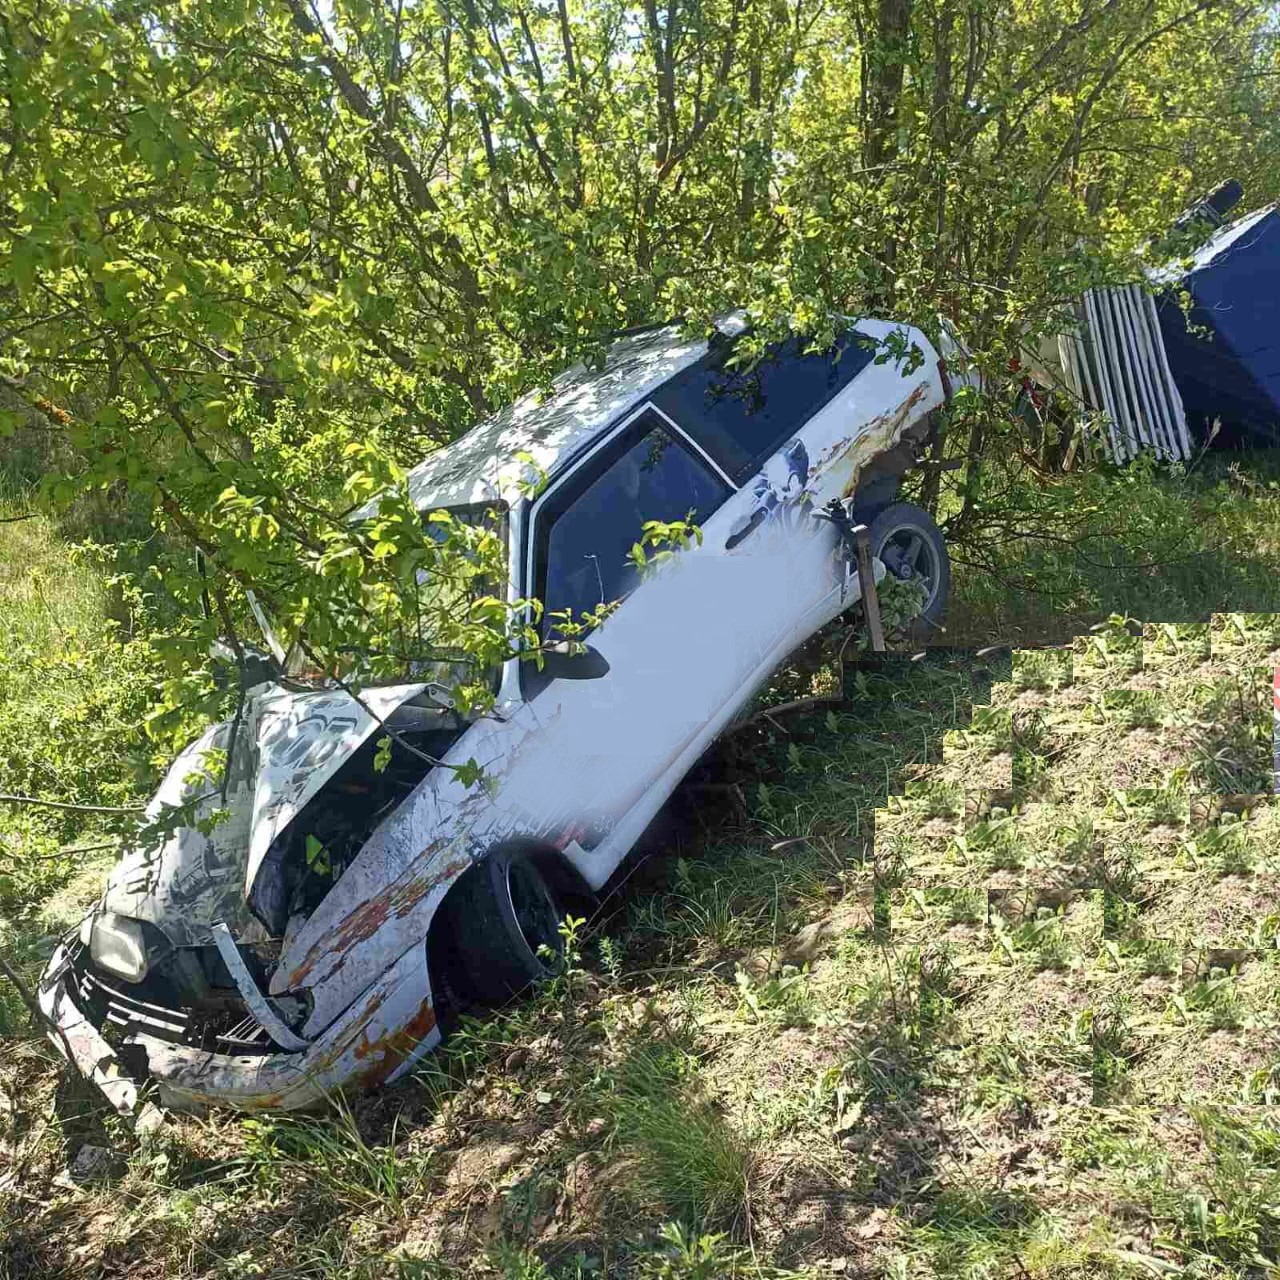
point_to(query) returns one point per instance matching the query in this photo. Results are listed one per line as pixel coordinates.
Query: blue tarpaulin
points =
(1225, 355)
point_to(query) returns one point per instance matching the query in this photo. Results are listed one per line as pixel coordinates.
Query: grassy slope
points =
(53, 613)
(916, 988)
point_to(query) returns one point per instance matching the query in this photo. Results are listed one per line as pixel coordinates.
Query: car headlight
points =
(117, 945)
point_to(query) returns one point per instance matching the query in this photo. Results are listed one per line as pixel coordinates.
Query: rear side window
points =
(586, 532)
(742, 417)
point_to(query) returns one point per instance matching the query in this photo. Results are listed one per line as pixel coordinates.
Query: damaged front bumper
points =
(377, 1039)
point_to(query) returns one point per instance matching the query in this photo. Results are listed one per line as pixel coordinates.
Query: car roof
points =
(482, 466)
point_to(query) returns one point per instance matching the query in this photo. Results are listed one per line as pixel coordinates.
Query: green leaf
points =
(317, 856)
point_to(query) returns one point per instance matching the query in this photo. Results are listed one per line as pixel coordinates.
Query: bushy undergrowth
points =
(76, 688)
(1040, 559)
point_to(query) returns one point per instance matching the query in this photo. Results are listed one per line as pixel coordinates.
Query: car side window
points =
(742, 416)
(586, 532)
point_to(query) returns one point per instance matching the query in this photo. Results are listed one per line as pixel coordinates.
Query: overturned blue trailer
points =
(1192, 356)
(1224, 351)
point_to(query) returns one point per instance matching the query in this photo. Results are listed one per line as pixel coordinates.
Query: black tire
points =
(906, 539)
(497, 917)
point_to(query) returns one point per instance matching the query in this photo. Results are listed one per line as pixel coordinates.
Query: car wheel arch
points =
(566, 882)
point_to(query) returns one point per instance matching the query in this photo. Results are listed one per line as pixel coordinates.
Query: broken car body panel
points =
(388, 1029)
(289, 745)
(576, 767)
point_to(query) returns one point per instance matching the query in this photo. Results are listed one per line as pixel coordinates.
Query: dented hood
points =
(302, 741)
(288, 745)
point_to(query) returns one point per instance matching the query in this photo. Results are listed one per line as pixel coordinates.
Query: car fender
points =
(383, 904)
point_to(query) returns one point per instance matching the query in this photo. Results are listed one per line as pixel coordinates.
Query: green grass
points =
(1151, 542)
(687, 1157)
(75, 687)
(46, 594)
(968, 974)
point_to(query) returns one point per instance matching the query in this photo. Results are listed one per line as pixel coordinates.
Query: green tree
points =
(258, 255)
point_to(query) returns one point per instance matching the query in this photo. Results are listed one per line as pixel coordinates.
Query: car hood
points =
(200, 850)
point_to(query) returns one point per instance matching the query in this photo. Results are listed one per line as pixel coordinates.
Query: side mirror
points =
(259, 667)
(562, 662)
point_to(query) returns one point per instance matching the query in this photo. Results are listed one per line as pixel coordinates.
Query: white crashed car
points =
(303, 944)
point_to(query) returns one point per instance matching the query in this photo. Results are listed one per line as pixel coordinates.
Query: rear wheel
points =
(502, 922)
(911, 547)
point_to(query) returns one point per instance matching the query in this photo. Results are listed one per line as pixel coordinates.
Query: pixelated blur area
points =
(1100, 848)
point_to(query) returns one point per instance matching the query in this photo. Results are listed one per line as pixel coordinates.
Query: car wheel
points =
(502, 917)
(910, 545)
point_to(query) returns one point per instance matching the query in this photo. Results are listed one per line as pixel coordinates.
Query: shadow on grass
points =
(777, 819)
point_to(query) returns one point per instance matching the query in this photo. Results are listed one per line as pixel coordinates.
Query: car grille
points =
(109, 1005)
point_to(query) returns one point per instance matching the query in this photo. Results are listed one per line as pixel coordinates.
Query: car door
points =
(690, 641)
(683, 642)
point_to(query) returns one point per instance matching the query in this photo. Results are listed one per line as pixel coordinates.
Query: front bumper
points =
(378, 1038)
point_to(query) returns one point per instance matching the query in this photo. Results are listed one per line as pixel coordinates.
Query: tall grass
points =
(333, 1156)
(48, 597)
(688, 1157)
(1045, 559)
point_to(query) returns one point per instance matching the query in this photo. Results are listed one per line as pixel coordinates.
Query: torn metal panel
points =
(185, 880)
(267, 1017)
(74, 1034)
(388, 1024)
(288, 746)
(302, 741)
(385, 899)
(391, 1025)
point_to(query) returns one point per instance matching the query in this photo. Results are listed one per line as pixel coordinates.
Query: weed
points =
(1157, 957)
(686, 1254)
(1232, 752)
(993, 843)
(612, 956)
(1230, 1214)
(1042, 669)
(688, 1157)
(516, 1263)
(1110, 1036)
(969, 1231)
(333, 1155)
(781, 1000)
(1215, 999)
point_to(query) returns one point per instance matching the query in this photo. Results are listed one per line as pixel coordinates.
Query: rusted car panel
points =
(335, 958)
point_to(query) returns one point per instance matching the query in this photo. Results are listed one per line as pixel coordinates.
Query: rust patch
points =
(873, 443)
(396, 1045)
(249, 1102)
(398, 901)
(376, 1001)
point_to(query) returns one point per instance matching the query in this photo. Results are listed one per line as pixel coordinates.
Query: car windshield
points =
(441, 597)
